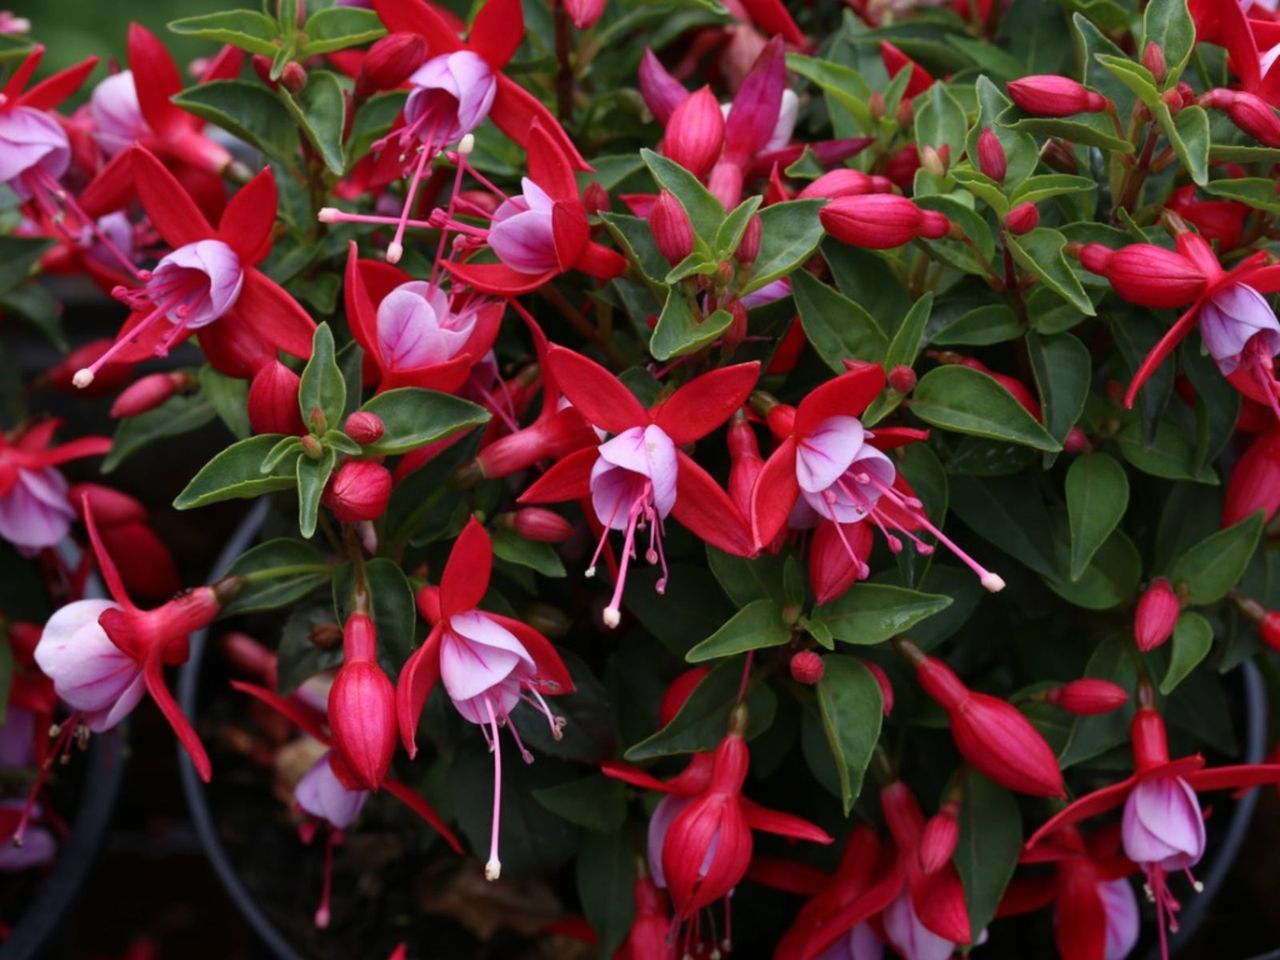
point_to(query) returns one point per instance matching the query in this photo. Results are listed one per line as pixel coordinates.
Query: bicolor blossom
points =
(35, 512)
(489, 663)
(639, 476)
(829, 466)
(210, 284)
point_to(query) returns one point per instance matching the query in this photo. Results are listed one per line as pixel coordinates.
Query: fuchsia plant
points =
(616, 375)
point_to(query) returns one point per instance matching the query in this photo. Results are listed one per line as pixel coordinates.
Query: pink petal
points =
(825, 452)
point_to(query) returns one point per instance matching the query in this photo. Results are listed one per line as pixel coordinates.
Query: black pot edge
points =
(60, 890)
(194, 789)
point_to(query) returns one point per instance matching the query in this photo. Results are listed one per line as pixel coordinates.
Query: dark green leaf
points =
(988, 848)
(1168, 25)
(606, 870)
(789, 233)
(246, 29)
(312, 477)
(1039, 253)
(248, 110)
(320, 112)
(1192, 640)
(236, 473)
(412, 417)
(1097, 496)
(1008, 512)
(322, 387)
(870, 613)
(391, 606)
(1110, 579)
(851, 707)
(1213, 566)
(837, 327)
(17, 256)
(682, 330)
(595, 803)
(337, 28)
(705, 212)
(730, 233)
(1063, 371)
(284, 572)
(174, 417)
(756, 626)
(744, 579)
(959, 398)
(298, 657)
(227, 396)
(513, 548)
(940, 120)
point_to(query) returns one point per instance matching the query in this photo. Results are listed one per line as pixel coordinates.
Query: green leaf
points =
(636, 240)
(1063, 372)
(1213, 566)
(1111, 579)
(842, 84)
(837, 327)
(1188, 134)
(756, 626)
(322, 386)
(1133, 75)
(958, 398)
(681, 331)
(1168, 25)
(1257, 192)
(338, 28)
(1170, 454)
(235, 473)
(705, 212)
(1097, 496)
(320, 112)
(700, 724)
(285, 571)
(746, 579)
(312, 475)
(412, 417)
(606, 874)
(870, 613)
(248, 110)
(174, 417)
(789, 234)
(391, 606)
(735, 225)
(513, 548)
(1192, 641)
(987, 851)
(940, 120)
(982, 187)
(299, 657)
(227, 396)
(1086, 129)
(17, 257)
(1046, 186)
(1039, 253)
(246, 29)
(1008, 512)
(594, 803)
(851, 707)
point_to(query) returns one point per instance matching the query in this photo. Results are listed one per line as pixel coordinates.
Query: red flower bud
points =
(1153, 59)
(902, 167)
(363, 428)
(678, 692)
(148, 393)
(991, 157)
(787, 355)
(273, 400)
(992, 735)
(1048, 95)
(1270, 629)
(749, 245)
(807, 667)
(844, 182)
(1023, 218)
(596, 199)
(542, 525)
(886, 688)
(745, 462)
(695, 133)
(880, 221)
(1057, 155)
(359, 490)
(110, 508)
(362, 710)
(672, 231)
(390, 62)
(1157, 613)
(146, 565)
(1145, 274)
(1088, 697)
(902, 379)
(261, 64)
(584, 13)
(938, 841)
(737, 329)
(294, 77)
(1255, 482)
(838, 558)
(1249, 112)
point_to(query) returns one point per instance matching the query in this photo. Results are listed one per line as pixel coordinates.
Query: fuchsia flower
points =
(362, 710)
(1237, 325)
(211, 275)
(35, 512)
(34, 150)
(833, 467)
(1255, 481)
(639, 477)
(488, 663)
(117, 116)
(1163, 826)
(412, 332)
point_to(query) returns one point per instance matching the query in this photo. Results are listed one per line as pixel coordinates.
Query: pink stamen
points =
(85, 376)
(41, 182)
(639, 508)
(525, 755)
(61, 746)
(460, 158)
(334, 215)
(333, 838)
(493, 869)
(861, 570)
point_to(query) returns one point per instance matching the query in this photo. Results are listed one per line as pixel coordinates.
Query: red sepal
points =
(707, 511)
(597, 394)
(467, 571)
(774, 494)
(106, 565)
(848, 395)
(411, 799)
(156, 78)
(497, 278)
(249, 217)
(276, 317)
(417, 679)
(1160, 352)
(171, 210)
(601, 262)
(51, 91)
(153, 675)
(1080, 924)
(570, 232)
(783, 824)
(553, 675)
(1233, 777)
(497, 32)
(569, 479)
(1090, 805)
(939, 901)
(308, 721)
(706, 402)
(633, 776)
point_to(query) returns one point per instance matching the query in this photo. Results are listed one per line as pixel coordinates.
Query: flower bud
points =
(1088, 697)
(1145, 274)
(876, 105)
(1153, 60)
(148, 393)
(262, 67)
(737, 329)
(902, 167)
(1249, 112)
(362, 710)
(359, 490)
(838, 558)
(991, 157)
(584, 13)
(932, 161)
(844, 183)
(364, 428)
(294, 77)
(1023, 218)
(539, 524)
(1270, 629)
(672, 230)
(1255, 482)
(1057, 155)
(906, 114)
(886, 688)
(1156, 616)
(678, 692)
(807, 667)
(695, 133)
(595, 199)
(390, 62)
(902, 379)
(273, 400)
(749, 245)
(877, 221)
(938, 841)
(993, 735)
(745, 462)
(661, 91)
(1048, 95)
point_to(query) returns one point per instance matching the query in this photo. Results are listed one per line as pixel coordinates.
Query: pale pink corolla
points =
(522, 232)
(416, 326)
(35, 513)
(116, 114)
(90, 674)
(32, 144)
(320, 794)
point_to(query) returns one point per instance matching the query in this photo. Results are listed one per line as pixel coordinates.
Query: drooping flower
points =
(638, 477)
(210, 284)
(35, 512)
(488, 663)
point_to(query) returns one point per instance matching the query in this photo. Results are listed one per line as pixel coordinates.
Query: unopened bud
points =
(807, 667)
(293, 77)
(359, 490)
(273, 400)
(876, 105)
(749, 246)
(737, 330)
(902, 379)
(1023, 218)
(539, 524)
(931, 161)
(1153, 60)
(1270, 629)
(672, 229)
(1057, 155)
(148, 393)
(938, 841)
(326, 636)
(262, 67)
(991, 156)
(595, 198)
(364, 428)
(1049, 95)
(1088, 697)
(312, 447)
(906, 114)
(1156, 616)
(390, 62)
(695, 133)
